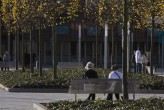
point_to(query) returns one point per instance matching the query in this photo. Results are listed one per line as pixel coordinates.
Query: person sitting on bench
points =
(114, 74)
(90, 73)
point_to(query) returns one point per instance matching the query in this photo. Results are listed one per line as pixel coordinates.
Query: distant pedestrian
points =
(144, 62)
(133, 62)
(6, 58)
(90, 73)
(1, 59)
(138, 61)
(148, 58)
(26, 58)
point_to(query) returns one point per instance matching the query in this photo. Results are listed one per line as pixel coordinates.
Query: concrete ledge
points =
(39, 106)
(37, 90)
(145, 91)
(46, 90)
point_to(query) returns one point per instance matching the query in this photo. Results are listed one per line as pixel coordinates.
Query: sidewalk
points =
(24, 101)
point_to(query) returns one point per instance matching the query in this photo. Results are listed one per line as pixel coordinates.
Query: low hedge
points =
(140, 104)
(19, 79)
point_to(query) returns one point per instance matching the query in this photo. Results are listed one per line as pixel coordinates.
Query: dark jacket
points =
(133, 59)
(90, 74)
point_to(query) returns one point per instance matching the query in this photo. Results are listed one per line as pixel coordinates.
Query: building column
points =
(100, 48)
(162, 52)
(9, 50)
(85, 51)
(106, 47)
(159, 54)
(115, 50)
(61, 51)
(69, 51)
(79, 44)
(45, 49)
(144, 48)
(93, 51)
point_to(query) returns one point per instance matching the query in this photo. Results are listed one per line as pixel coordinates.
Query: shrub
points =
(140, 104)
(19, 79)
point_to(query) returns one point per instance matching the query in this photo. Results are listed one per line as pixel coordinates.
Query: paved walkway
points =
(24, 101)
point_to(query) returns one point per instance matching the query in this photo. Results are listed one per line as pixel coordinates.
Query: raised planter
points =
(39, 90)
(39, 106)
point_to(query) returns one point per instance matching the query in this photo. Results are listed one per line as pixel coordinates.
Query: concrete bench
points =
(101, 86)
(70, 65)
(7, 64)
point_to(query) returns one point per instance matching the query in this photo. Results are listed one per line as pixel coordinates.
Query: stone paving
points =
(24, 101)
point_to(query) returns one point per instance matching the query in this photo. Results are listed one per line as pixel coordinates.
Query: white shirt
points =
(115, 75)
(138, 56)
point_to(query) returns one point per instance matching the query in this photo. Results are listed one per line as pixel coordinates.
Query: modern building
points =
(71, 48)
(68, 44)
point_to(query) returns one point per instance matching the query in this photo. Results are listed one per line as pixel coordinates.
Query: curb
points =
(39, 106)
(36, 90)
(46, 90)
(145, 91)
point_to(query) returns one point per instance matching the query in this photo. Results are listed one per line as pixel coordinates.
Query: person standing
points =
(27, 58)
(133, 61)
(138, 61)
(144, 62)
(6, 58)
(90, 73)
(114, 74)
(1, 59)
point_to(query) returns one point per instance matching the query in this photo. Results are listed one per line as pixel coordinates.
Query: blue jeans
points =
(138, 68)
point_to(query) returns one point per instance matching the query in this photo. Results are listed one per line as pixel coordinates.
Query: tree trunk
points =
(40, 50)
(113, 47)
(23, 58)
(97, 33)
(16, 49)
(152, 46)
(0, 36)
(31, 55)
(54, 50)
(124, 52)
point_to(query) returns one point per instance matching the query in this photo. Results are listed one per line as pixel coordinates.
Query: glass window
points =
(119, 31)
(91, 30)
(62, 30)
(155, 32)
